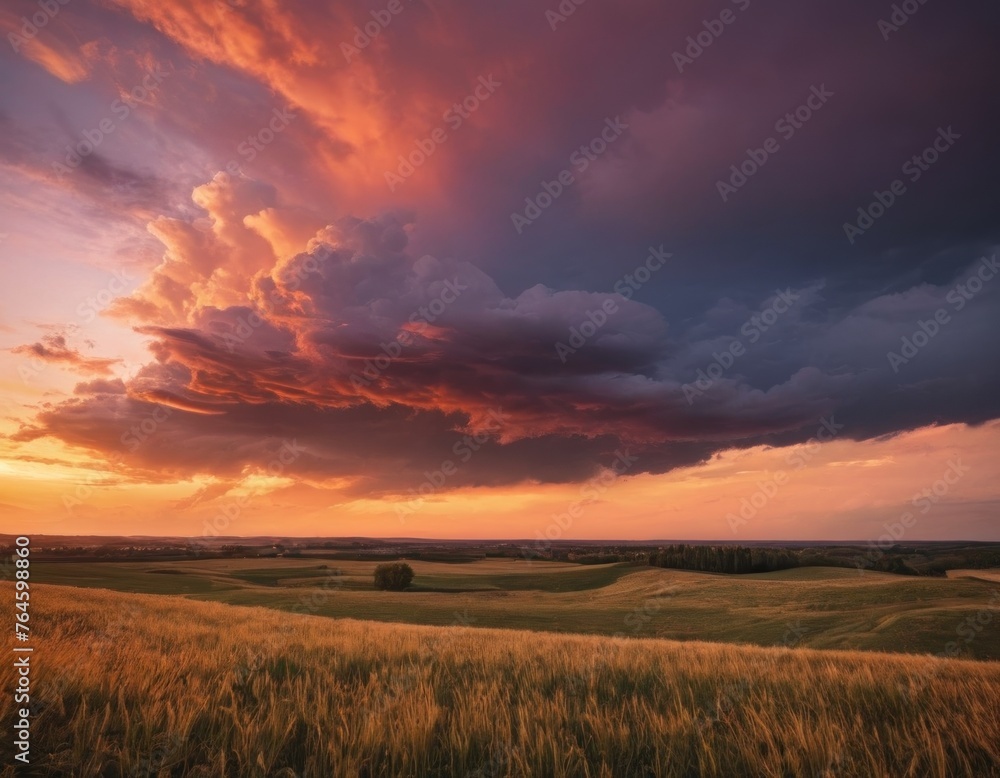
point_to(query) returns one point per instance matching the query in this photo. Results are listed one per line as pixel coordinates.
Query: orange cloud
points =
(62, 61)
(53, 348)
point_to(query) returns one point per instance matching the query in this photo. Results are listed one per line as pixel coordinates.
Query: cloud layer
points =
(377, 362)
(291, 295)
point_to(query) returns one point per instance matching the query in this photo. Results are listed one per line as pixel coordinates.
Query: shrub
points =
(393, 576)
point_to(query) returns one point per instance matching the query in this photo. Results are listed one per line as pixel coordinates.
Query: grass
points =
(228, 691)
(829, 608)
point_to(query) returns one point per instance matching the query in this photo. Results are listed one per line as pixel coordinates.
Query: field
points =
(230, 691)
(985, 575)
(830, 608)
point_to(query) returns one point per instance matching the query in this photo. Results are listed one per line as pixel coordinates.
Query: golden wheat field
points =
(134, 685)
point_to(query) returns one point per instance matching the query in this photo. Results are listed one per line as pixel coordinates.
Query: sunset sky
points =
(695, 270)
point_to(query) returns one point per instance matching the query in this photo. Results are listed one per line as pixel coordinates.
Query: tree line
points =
(723, 559)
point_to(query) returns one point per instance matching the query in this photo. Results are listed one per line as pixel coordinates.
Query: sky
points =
(579, 270)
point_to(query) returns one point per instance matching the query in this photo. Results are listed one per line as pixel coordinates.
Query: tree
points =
(393, 576)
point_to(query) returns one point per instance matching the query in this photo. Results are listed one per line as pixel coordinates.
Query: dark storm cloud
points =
(400, 358)
(766, 319)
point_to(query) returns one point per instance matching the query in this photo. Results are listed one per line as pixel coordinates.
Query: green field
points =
(829, 608)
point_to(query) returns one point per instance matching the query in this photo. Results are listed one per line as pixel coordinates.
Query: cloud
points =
(100, 386)
(379, 363)
(297, 299)
(62, 62)
(53, 349)
(204, 494)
